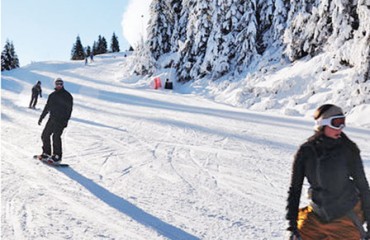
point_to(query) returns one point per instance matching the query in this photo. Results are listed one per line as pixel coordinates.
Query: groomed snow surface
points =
(144, 163)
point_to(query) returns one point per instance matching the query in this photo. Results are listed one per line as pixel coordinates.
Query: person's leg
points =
(45, 137)
(35, 102)
(57, 141)
(31, 102)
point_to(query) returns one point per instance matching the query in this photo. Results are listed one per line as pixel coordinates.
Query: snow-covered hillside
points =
(145, 163)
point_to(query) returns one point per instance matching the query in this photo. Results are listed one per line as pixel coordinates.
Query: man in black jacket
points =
(59, 105)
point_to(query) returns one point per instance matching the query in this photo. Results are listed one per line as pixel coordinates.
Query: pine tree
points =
(176, 6)
(194, 49)
(160, 26)
(246, 39)
(264, 16)
(114, 46)
(9, 59)
(77, 50)
(95, 48)
(102, 46)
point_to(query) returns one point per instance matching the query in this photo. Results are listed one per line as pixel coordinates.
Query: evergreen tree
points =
(114, 46)
(95, 48)
(77, 50)
(101, 46)
(160, 27)
(198, 32)
(104, 46)
(174, 16)
(9, 59)
(246, 39)
(264, 16)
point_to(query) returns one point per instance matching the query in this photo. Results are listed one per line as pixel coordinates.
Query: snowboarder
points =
(339, 191)
(59, 105)
(36, 92)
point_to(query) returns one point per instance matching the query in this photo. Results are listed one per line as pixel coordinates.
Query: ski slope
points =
(144, 163)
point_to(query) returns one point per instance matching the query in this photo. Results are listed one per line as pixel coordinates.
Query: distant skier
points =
(36, 92)
(59, 105)
(339, 190)
(91, 57)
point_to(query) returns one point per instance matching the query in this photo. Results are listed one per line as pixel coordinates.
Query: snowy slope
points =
(145, 164)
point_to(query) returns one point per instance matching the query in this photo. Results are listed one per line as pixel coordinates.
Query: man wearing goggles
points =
(339, 190)
(59, 105)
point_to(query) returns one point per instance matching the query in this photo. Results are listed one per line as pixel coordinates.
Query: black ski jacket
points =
(36, 90)
(59, 105)
(334, 170)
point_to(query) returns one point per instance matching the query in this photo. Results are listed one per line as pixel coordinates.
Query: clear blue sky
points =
(47, 29)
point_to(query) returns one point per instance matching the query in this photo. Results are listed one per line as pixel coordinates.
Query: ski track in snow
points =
(144, 164)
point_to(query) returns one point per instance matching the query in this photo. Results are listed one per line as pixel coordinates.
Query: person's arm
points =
(359, 177)
(46, 110)
(295, 189)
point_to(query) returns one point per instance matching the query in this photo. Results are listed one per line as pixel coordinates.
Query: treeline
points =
(79, 52)
(212, 38)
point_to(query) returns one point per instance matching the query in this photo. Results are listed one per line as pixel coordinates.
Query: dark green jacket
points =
(334, 170)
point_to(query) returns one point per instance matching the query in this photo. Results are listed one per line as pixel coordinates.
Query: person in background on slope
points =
(339, 190)
(36, 91)
(59, 105)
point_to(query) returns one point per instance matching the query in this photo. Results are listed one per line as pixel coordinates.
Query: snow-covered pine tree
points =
(313, 24)
(185, 41)
(9, 59)
(77, 52)
(221, 44)
(264, 17)
(176, 6)
(247, 37)
(160, 28)
(300, 29)
(114, 45)
(280, 15)
(143, 62)
(358, 53)
(199, 26)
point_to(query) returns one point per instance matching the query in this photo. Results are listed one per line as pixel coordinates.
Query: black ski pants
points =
(33, 101)
(54, 129)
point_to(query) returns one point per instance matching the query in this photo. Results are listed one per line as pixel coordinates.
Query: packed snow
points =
(154, 164)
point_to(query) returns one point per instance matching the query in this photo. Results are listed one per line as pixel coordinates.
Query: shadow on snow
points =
(125, 207)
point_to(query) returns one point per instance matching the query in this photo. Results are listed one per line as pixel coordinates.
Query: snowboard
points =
(50, 162)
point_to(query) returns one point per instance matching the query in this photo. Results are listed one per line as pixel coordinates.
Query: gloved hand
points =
(367, 237)
(40, 121)
(294, 235)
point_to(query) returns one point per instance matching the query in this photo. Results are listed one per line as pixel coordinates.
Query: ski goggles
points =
(335, 122)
